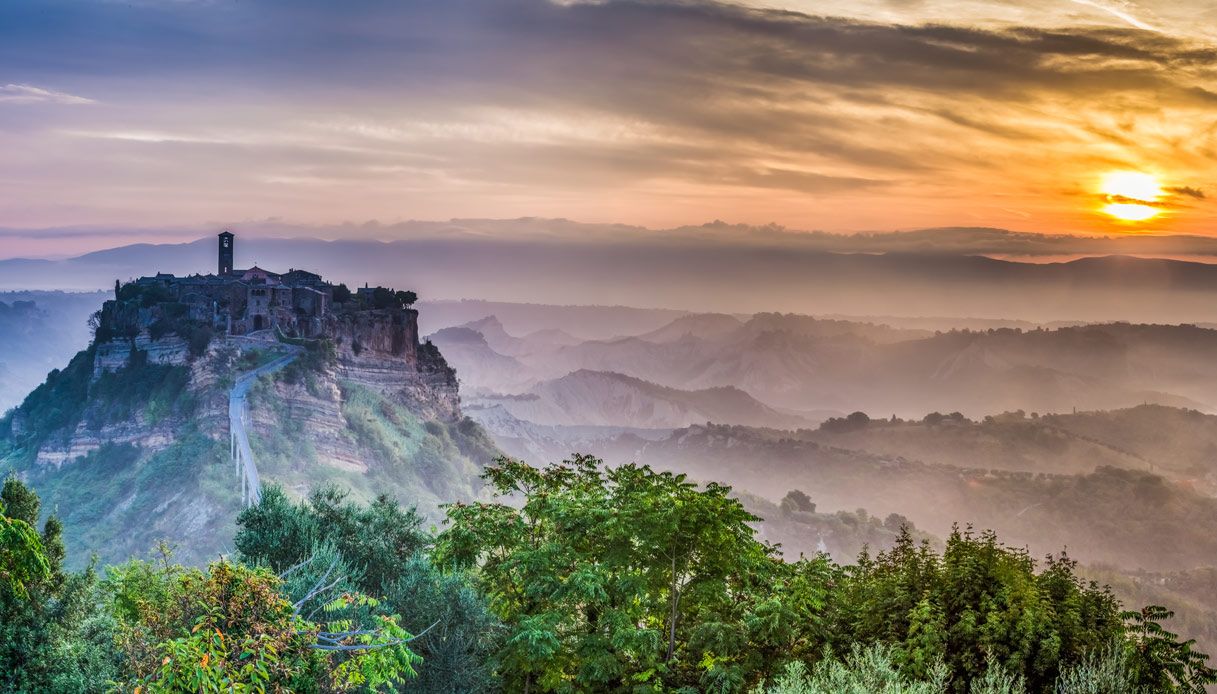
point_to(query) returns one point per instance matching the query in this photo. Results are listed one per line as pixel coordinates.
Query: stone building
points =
(240, 302)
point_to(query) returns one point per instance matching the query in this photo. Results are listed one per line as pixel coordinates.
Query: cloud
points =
(1118, 13)
(29, 94)
(1188, 191)
(648, 111)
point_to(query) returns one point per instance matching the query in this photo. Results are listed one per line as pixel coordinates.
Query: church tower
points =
(226, 239)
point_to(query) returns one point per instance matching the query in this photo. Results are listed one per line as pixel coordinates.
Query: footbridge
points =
(238, 421)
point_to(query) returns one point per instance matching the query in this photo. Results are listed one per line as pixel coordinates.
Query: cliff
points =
(129, 443)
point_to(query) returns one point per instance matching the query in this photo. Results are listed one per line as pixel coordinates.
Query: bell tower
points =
(226, 243)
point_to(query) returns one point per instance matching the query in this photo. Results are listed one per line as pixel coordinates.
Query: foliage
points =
(406, 298)
(53, 635)
(71, 395)
(797, 500)
(855, 421)
(57, 404)
(457, 650)
(377, 538)
(1100, 672)
(864, 671)
(155, 390)
(85, 493)
(429, 461)
(584, 578)
(318, 355)
(376, 549)
(383, 297)
(978, 602)
(22, 559)
(623, 578)
(145, 295)
(1162, 662)
(230, 628)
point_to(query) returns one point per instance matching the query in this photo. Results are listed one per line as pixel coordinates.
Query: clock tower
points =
(226, 239)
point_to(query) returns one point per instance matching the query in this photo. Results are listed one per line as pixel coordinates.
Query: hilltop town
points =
(191, 379)
(238, 302)
(171, 319)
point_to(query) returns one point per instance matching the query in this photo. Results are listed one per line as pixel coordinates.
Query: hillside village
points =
(172, 318)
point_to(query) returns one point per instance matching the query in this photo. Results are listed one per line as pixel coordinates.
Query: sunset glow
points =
(861, 116)
(1130, 212)
(1131, 195)
(1132, 185)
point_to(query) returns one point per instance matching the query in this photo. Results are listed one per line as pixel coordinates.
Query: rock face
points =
(375, 349)
(115, 354)
(379, 349)
(131, 440)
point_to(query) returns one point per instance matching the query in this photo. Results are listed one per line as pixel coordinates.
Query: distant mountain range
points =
(603, 398)
(925, 273)
(799, 370)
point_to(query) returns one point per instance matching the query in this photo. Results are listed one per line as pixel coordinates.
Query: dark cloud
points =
(627, 54)
(1188, 191)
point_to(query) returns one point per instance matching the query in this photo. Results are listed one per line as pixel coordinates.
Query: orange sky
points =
(883, 114)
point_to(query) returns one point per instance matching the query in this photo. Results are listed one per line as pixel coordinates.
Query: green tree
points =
(978, 606)
(22, 558)
(54, 636)
(379, 538)
(624, 578)
(377, 549)
(230, 628)
(864, 671)
(463, 635)
(1161, 661)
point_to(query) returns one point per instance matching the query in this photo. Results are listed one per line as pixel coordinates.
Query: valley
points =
(1061, 439)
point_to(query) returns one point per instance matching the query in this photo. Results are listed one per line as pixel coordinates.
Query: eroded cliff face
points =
(367, 408)
(375, 349)
(114, 354)
(379, 349)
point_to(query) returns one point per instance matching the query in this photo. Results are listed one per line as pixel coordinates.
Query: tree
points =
(797, 500)
(840, 425)
(22, 559)
(379, 537)
(977, 604)
(613, 578)
(863, 671)
(377, 549)
(406, 298)
(54, 636)
(342, 294)
(230, 628)
(1162, 662)
(458, 650)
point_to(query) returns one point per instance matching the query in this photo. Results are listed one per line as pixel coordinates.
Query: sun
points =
(1130, 212)
(1131, 195)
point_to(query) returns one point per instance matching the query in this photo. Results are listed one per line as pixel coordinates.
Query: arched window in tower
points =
(226, 252)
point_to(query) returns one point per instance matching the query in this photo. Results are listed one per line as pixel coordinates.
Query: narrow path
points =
(238, 417)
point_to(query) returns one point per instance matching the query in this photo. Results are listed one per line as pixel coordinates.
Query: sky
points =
(159, 119)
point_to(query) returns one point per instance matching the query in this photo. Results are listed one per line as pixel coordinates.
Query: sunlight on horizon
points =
(1131, 195)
